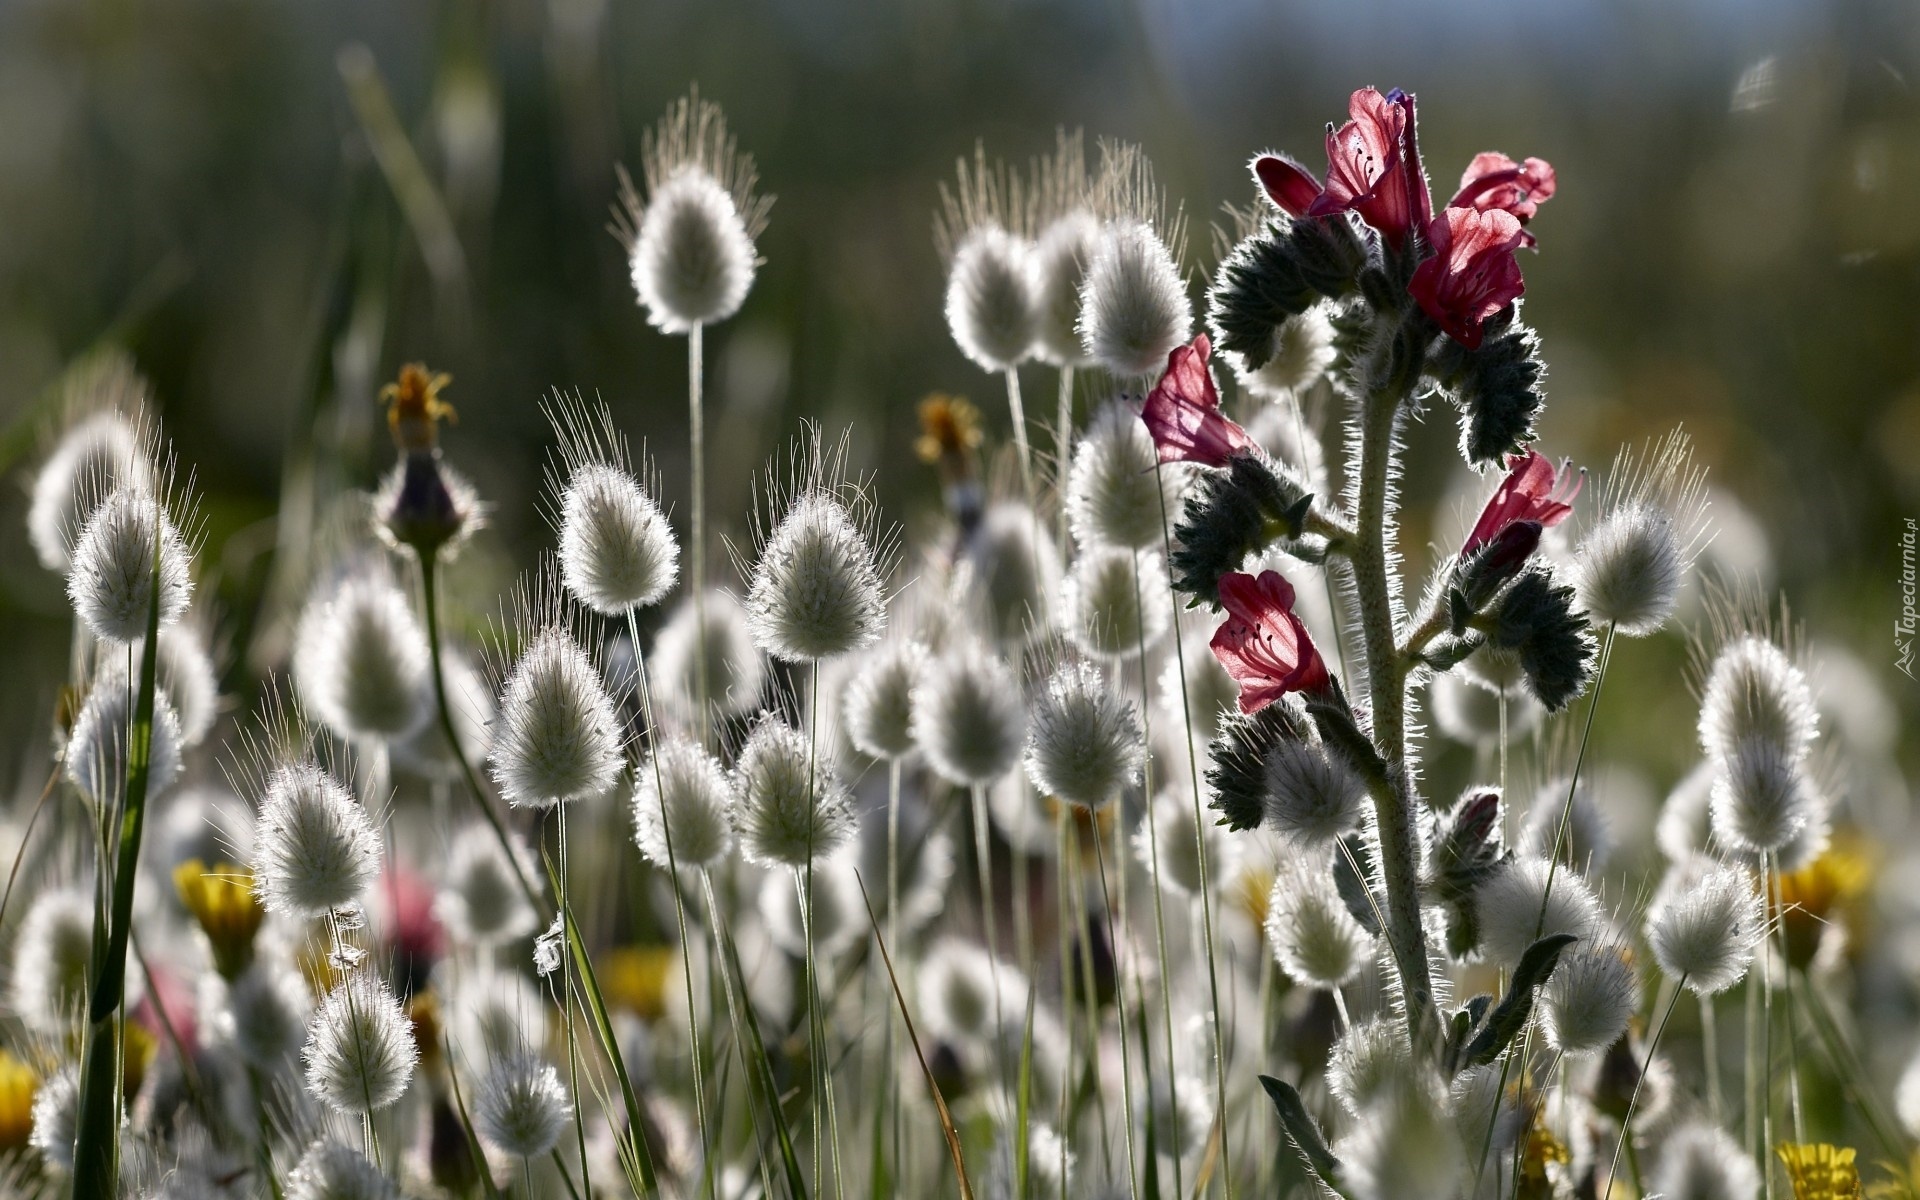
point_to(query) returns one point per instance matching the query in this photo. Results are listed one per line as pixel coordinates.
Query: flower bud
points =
(426, 506)
(1233, 514)
(480, 900)
(1537, 622)
(1629, 569)
(1369, 1061)
(617, 552)
(1237, 762)
(1010, 569)
(51, 956)
(993, 302)
(1168, 826)
(1300, 353)
(1762, 798)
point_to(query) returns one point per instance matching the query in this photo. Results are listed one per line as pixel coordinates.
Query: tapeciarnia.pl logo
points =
(1904, 627)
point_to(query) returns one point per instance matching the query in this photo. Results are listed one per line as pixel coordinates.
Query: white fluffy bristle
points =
(557, 739)
(792, 806)
(682, 806)
(112, 577)
(816, 592)
(360, 1052)
(968, 716)
(315, 848)
(993, 300)
(1134, 307)
(1084, 744)
(360, 659)
(617, 552)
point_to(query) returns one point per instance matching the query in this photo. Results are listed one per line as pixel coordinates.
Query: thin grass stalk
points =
(983, 866)
(1200, 854)
(1017, 411)
(893, 936)
(1766, 1013)
(817, 1034)
(1579, 760)
(1778, 927)
(1120, 1003)
(707, 1134)
(1633, 1099)
(697, 542)
(566, 989)
(1710, 1055)
(97, 1144)
(1084, 923)
(753, 1062)
(1063, 446)
(1153, 852)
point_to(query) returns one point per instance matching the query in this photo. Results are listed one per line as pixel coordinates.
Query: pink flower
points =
(1263, 645)
(1290, 186)
(1533, 492)
(1183, 411)
(404, 908)
(1492, 180)
(1473, 273)
(169, 1002)
(1373, 167)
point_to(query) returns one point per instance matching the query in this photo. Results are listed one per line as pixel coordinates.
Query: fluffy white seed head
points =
(360, 1052)
(491, 1011)
(1009, 569)
(1762, 797)
(1685, 823)
(877, 704)
(1629, 568)
(56, 1118)
(1084, 744)
(522, 1107)
(1515, 908)
(1403, 1145)
(690, 243)
(1061, 253)
(617, 552)
(558, 737)
(1314, 939)
(735, 672)
(1583, 841)
(263, 1014)
(1755, 692)
(968, 716)
(1116, 603)
(187, 674)
(1906, 1098)
(360, 659)
(792, 806)
(1134, 307)
(816, 591)
(955, 988)
(315, 848)
(1115, 488)
(682, 806)
(1301, 352)
(1470, 714)
(480, 900)
(1169, 827)
(1210, 693)
(1589, 999)
(112, 576)
(1632, 563)
(97, 745)
(993, 298)
(96, 456)
(1704, 927)
(51, 954)
(1699, 1161)
(1312, 797)
(332, 1170)
(1368, 1062)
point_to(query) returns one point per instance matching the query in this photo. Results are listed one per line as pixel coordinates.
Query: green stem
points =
(697, 543)
(1633, 1100)
(1394, 802)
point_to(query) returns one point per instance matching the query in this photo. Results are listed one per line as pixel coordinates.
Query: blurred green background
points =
(1734, 245)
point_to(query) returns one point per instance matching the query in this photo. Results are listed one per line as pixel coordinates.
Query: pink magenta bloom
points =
(1373, 167)
(1473, 273)
(1492, 180)
(1533, 492)
(1262, 644)
(1183, 411)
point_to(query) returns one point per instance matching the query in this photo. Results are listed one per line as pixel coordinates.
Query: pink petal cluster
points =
(1262, 644)
(1183, 411)
(1532, 492)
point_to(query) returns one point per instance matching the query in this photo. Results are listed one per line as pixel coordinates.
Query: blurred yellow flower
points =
(224, 906)
(635, 977)
(949, 428)
(414, 406)
(1824, 892)
(19, 1083)
(1819, 1171)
